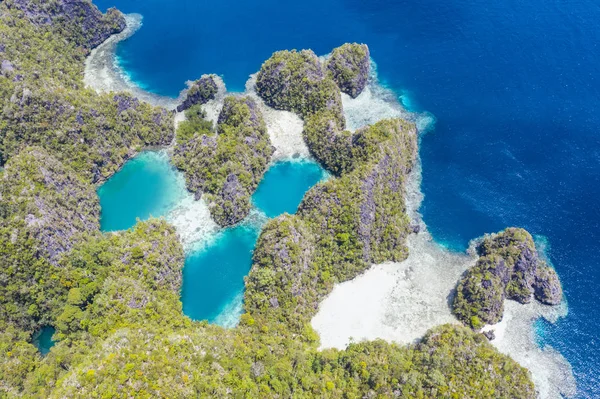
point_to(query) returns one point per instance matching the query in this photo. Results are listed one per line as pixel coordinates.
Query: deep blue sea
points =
(513, 86)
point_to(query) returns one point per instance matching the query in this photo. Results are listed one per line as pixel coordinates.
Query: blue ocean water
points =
(43, 339)
(513, 86)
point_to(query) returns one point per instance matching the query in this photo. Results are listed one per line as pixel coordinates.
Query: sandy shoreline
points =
(393, 301)
(399, 302)
(102, 72)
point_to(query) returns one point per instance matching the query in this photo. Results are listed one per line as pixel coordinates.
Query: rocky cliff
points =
(44, 102)
(227, 166)
(296, 81)
(78, 20)
(45, 210)
(200, 92)
(350, 67)
(509, 267)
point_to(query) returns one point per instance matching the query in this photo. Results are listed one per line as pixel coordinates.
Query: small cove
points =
(215, 265)
(145, 186)
(42, 339)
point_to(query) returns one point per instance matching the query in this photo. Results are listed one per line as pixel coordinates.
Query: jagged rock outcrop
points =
(328, 142)
(547, 286)
(93, 134)
(200, 92)
(341, 151)
(350, 67)
(43, 96)
(79, 20)
(296, 81)
(140, 278)
(509, 267)
(342, 227)
(361, 216)
(45, 210)
(283, 278)
(55, 205)
(227, 166)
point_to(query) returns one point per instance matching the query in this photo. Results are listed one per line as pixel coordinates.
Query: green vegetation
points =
(295, 81)
(342, 227)
(79, 22)
(200, 92)
(194, 123)
(44, 209)
(227, 166)
(349, 66)
(508, 267)
(326, 141)
(114, 298)
(284, 282)
(341, 151)
(45, 103)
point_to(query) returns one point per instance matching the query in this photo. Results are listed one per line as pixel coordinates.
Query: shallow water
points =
(284, 185)
(214, 275)
(215, 266)
(146, 186)
(513, 86)
(43, 339)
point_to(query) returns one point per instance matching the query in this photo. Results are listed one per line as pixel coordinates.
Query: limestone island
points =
(347, 298)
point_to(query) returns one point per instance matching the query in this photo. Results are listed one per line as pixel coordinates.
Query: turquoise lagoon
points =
(213, 274)
(43, 339)
(146, 186)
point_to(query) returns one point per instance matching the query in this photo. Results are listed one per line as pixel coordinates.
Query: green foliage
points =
(342, 151)
(327, 143)
(200, 92)
(480, 295)
(225, 167)
(508, 267)
(195, 123)
(284, 279)
(342, 227)
(45, 104)
(295, 81)
(207, 361)
(349, 66)
(18, 358)
(45, 209)
(79, 22)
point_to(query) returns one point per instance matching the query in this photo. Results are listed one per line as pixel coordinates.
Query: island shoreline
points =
(551, 372)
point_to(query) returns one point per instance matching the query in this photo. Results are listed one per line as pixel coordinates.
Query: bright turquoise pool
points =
(213, 274)
(43, 339)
